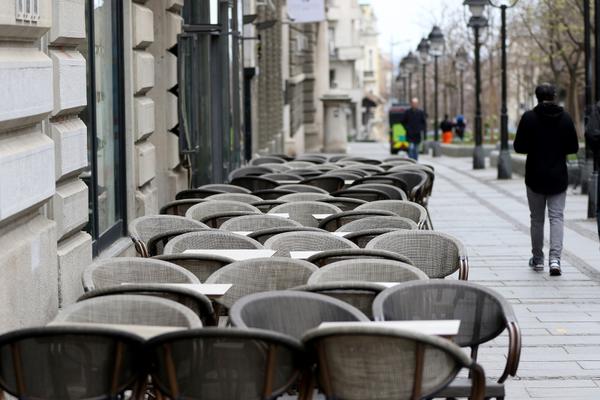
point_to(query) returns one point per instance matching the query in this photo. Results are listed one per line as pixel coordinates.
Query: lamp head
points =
(423, 49)
(437, 41)
(462, 59)
(477, 7)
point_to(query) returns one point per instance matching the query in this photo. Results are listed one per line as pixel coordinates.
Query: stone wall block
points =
(74, 254)
(70, 89)
(172, 115)
(171, 70)
(70, 207)
(24, 27)
(174, 26)
(143, 26)
(26, 76)
(143, 71)
(68, 22)
(144, 117)
(173, 151)
(29, 282)
(145, 154)
(26, 171)
(70, 145)
(146, 200)
(174, 5)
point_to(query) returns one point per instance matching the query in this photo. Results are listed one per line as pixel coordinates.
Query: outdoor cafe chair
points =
(118, 270)
(210, 240)
(207, 209)
(393, 192)
(483, 313)
(196, 193)
(142, 229)
(343, 203)
(157, 243)
(304, 211)
(276, 168)
(284, 243)
(305, 173)
(345, 175)
(437, 254)
(271, 194)
(416, 181)
(201, 265)
(251, 170)
(367, 270)
(282, 176)
(260, 275)
(225, 188)
(302, 188)
(313, 158)
(71, 363)
(225, 364)
(240, 197)
(289, 312)
(328, 183)
(368, 195)
(399, 158)
(304, 197)
(405, 209)
(380, 363)
(300, 164)
(336, 158)
(216, 220)
(362, 160)
(382, 179)
(354, 169)
(263, 235)
(254, 183)
(326, 167)
(266, 205)
(331, 256)
(267, 159)
(362, 237)
(378, 222)
(252, 223)
(359, 295)
(128, 309)
(179, 207)
(336, 221)
(192, 299)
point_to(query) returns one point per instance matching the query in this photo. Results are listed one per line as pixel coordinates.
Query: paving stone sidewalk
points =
(559, 317)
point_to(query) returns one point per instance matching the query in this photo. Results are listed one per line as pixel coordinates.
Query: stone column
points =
(337, 108)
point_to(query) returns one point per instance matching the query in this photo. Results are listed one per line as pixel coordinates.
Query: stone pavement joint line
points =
(559, 317)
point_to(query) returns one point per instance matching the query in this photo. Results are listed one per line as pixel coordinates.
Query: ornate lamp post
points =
(437, 41)
(462, 62)
(412, 65)
(423, 49)
(477, 22)
(504, 160)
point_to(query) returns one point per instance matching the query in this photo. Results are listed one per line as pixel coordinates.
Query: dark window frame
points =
(102, 240)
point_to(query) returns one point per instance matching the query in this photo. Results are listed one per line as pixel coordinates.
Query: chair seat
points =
(461, 387)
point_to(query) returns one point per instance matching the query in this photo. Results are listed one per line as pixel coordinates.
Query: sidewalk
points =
(559, 317)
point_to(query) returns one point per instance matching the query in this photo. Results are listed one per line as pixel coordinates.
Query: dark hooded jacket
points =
(546, 134)
(415, 123)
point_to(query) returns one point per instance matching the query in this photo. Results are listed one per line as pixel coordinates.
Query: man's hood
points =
(549, 110)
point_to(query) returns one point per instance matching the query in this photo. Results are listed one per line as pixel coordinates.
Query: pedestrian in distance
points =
(546, 135)
(460, 127)
(446, 126)
(415, 123)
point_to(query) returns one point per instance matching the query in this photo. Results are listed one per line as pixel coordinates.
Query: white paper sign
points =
(303, 11)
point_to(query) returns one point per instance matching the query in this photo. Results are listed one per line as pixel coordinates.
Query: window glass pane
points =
(107, 127)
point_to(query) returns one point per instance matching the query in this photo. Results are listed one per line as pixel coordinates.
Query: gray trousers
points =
(556, 208)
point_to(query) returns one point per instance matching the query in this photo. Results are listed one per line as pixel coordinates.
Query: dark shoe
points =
(535, 265)
(555, 268)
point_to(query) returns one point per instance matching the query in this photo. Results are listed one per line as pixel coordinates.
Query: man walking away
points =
(446, 126)
(460, 127)
(415, 123)
(547, 135)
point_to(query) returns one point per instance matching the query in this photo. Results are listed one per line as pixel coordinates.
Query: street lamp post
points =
(504, 159)
(594, 185)
(477, 22)
(437, 41)
(412, 65)
(423, 50)
(462, 62)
